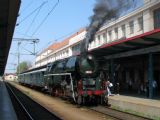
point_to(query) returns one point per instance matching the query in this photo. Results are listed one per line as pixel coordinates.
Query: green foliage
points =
(23, 66)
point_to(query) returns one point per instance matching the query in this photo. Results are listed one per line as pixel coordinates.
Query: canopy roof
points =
(140, 44)
(8, 16)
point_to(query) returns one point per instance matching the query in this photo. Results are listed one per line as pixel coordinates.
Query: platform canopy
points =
(140, 44)
(8, 15)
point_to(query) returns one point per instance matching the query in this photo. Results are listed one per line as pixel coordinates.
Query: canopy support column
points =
(150, 75)
(112, 72)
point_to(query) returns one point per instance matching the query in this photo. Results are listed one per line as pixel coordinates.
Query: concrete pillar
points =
(70, 52)
(150, 74)
(112, 73)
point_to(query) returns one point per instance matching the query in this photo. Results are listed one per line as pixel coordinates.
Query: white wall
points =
(10, 77)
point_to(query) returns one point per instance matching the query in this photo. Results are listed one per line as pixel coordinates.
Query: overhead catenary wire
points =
(27, 6)
(66, 35)
(34, 19)
(127, 26)
(25, 18)
(57, 39)
(27, 50)
(45, 18)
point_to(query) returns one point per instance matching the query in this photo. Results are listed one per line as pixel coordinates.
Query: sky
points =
(67, 17)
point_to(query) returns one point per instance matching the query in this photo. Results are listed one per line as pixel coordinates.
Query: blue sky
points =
(68, 17)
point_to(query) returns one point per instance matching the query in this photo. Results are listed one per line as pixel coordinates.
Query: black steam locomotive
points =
(78, 77)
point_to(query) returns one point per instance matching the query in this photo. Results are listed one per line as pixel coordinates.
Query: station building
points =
(10, 77)
(63, 49)
(130, 44)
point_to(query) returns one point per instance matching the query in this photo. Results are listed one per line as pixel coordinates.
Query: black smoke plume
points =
(104, 11)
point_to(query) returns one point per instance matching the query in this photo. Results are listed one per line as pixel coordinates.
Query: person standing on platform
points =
(108, 85)
(154, 85)
(117, 88)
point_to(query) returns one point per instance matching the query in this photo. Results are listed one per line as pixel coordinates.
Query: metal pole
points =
(112, 74)
(34, 51)
(18, 69)
(150, 75)
(34, 41)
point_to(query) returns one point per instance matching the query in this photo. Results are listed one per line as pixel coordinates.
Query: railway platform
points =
(141, 106)
(6, 107)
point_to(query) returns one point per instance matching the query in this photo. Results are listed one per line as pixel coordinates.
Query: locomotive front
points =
(90, 86)
(88, 66)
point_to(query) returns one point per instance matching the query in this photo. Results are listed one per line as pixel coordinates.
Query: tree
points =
(23, 66)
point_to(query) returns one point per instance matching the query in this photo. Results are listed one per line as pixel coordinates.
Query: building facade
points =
(130, 45)
(144, 19)
(10, 77)
(60, 50)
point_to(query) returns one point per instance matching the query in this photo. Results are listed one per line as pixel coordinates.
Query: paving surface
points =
(6, 109)
(142, 101)
(147, 107)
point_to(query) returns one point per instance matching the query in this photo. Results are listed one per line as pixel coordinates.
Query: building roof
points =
(6, 74)
(59, 45)
(63, 43)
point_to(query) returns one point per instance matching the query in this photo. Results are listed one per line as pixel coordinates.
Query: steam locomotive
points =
(79, 78)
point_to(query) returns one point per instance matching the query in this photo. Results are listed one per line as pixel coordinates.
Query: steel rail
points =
(20, 103)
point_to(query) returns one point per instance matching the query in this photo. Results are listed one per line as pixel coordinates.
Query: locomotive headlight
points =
(90, 57)
(89, 72)
(93, 82)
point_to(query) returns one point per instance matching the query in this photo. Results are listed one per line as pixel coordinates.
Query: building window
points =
(116, 33)
(99, 39)
(104, 37)
(110, 35)
(76, 49)
(131, 25)
(157, 18)
(140, 23)
(123, 27)
(67, 53)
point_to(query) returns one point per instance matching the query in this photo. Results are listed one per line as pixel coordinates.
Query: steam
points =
(104, 11)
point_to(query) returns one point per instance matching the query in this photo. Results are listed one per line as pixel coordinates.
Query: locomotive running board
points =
(58, 74)
(73, 95)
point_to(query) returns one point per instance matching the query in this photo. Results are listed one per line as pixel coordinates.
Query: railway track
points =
(113, 113)
(117, 113)
(26, 108)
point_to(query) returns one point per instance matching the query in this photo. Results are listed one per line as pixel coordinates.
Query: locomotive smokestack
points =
(104, 11)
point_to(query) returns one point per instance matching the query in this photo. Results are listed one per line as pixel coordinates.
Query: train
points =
(78, 78)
